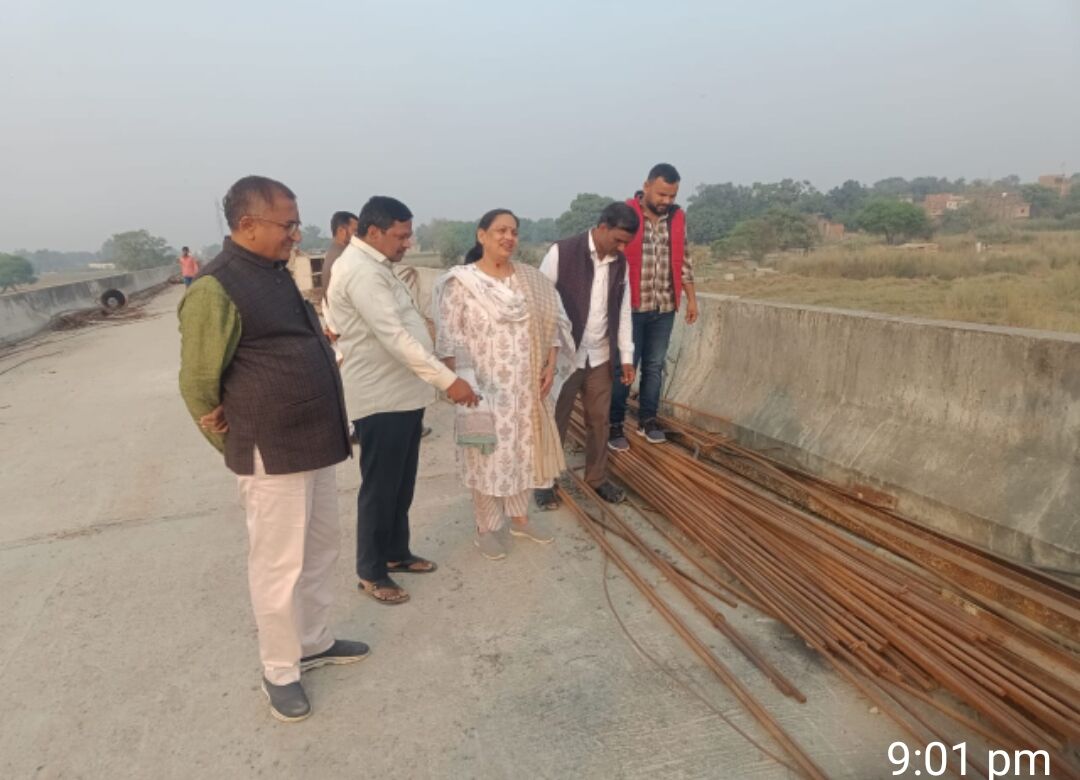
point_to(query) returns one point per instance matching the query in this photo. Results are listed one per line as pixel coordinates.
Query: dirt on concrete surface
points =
(127, 644)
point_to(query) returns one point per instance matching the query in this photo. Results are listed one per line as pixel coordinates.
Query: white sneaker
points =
(490, 546)
(532, 530)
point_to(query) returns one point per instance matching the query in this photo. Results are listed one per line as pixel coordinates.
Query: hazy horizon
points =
(120, 116)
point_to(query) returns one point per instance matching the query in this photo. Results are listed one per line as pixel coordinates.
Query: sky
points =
(119, 115)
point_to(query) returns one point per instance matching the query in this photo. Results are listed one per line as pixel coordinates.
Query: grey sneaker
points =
(288, 703)
(343, 651)
(545, 499)
(652, 432)
(617, 439)
(533, 530)
(490, 546)
(611, 493)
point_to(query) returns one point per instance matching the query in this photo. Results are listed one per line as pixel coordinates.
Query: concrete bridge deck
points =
(127, 645)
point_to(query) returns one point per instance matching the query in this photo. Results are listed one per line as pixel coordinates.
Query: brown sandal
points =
(384, 591)
(414, 564)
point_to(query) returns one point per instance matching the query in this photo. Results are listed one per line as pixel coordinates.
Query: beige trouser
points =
(293, 541)
(491, 511)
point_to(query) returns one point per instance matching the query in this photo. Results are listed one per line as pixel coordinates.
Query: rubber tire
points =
(113, 299)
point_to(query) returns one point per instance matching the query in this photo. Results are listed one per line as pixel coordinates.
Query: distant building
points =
(1005, 206)
(102, 266)
(937, 204)
(306, 270)
(828, 230)
(1058, 182)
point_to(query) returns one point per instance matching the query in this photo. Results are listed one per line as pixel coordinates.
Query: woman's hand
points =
(547, 380)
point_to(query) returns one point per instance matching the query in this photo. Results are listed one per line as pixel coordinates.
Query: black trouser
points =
(389, 452)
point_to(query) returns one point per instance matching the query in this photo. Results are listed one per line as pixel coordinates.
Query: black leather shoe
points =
(288, 703)
(343, 651)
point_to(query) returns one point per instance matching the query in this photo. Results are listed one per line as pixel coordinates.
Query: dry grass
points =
(1031, 282)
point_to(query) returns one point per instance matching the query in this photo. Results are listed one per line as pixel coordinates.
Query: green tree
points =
(312, 239)
(538, 231)
(892, 187)
(425, 237)
(715, 209)
(45, 260)
(15, 270)
(843, 202)
(778, 229)
(583, 213)
(894, 219)
(1070, 204)
(137, 249)
(1044, 201)
(921, 186)
(452, 239)
(752, 237)
(973, 216)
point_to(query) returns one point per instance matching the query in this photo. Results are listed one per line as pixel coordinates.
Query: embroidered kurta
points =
(500, 353)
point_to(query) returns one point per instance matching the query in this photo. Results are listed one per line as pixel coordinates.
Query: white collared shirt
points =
(389, 360)
(594, 349)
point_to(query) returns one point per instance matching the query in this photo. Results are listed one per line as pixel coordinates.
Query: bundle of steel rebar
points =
(885, 623)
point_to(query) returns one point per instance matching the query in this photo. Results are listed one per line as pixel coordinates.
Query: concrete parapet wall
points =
(974, 430)
(24, 314)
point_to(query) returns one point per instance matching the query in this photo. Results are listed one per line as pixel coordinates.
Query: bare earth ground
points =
(127, 645)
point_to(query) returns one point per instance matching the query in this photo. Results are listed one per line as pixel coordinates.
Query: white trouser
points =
(294, 537)
(491, 511)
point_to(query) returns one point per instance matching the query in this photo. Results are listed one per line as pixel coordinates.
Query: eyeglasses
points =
(293, 226)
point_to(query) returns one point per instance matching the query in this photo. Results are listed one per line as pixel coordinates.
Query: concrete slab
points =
(127, 645)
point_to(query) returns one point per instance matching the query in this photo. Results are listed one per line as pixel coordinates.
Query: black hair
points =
(248, 194)
(340, 219)
(665, 171)
(382, 212)
(619, 216)
(184, 249)
(477, 251)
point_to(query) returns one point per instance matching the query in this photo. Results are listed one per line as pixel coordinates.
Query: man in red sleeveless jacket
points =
(660, 271)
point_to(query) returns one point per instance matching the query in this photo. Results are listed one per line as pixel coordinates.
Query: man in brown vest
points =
(259, 377)
(590, 272)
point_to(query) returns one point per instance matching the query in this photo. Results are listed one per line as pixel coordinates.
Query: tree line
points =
(730, 218)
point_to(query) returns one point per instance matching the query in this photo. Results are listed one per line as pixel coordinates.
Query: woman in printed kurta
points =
(506, 321)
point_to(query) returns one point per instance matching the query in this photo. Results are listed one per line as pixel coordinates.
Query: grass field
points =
(1027, 279)
(55, 278)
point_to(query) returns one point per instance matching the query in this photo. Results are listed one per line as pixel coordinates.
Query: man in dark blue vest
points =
(260, 379)
(590, 272)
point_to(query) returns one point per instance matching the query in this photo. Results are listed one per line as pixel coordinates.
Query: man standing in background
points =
(189, 266)
(342, 228)
(660, 270)
(259, 378)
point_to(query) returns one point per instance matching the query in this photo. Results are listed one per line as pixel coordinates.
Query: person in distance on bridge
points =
(189, 266)
(259, 377)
